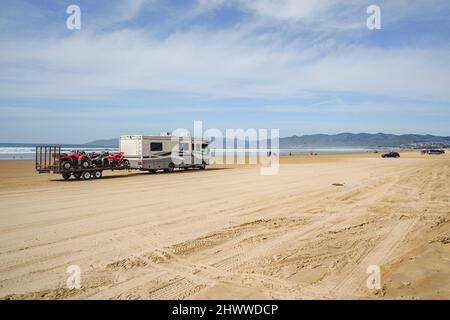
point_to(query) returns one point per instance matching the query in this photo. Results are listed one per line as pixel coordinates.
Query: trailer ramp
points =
(47, 159)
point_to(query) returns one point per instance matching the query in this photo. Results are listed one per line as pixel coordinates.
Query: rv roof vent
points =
(165, 134)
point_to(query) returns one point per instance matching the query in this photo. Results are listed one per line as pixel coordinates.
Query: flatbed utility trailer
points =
(48, 160)
(144, 153)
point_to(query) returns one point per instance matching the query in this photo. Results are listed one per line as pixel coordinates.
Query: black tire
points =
(77, 175)
(98, 174)
(86, 175)
(66, 175)
(66, 165)
(152, 171)
(85, 164)
(126, 163)
(203, 166)
(170, 168)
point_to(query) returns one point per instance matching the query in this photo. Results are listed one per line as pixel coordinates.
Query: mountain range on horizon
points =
(335, 140)
(308, 141)
(361, 140)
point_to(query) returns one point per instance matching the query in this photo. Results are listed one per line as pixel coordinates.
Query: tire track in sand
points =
(186, 283)
(354, 283)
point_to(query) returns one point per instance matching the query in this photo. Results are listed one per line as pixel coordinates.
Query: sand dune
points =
(229, 233)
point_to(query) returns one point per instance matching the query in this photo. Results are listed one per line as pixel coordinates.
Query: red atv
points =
(96, 159)
(77, 159)
(115, 160)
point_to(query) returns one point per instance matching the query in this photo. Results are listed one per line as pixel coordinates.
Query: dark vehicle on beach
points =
(434, 151)
(391, 155)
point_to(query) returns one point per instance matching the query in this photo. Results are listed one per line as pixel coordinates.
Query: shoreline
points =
(8, 153)
(286, 153)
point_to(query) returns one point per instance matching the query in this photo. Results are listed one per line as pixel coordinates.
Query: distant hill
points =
(336, 140)
(110, 143)
(361, 140)
(367, 140)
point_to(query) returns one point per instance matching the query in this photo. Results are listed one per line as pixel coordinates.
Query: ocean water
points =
(28, 153)
(327, 150)
(299, 151)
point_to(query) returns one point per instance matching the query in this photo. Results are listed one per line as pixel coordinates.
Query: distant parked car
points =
(434, 151)
(391, 155)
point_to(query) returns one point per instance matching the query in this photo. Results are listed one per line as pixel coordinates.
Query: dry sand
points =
(230, 232)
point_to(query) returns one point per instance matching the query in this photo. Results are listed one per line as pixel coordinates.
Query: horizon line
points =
(291, 136)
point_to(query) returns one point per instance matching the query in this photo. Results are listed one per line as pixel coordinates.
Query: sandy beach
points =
(309, 232)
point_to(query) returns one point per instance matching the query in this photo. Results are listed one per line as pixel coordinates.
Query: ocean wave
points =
(28, 153)
(12, 150)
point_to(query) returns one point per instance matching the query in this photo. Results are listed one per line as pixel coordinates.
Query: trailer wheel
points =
(77, 175)
(97, 174)
(203, 166)
(66, 175)
(152, 171)
(86, 175)
(170, 168)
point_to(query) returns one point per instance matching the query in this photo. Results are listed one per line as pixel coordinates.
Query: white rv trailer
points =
(164, 152)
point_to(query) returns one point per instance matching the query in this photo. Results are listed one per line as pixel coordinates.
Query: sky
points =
(148, 66)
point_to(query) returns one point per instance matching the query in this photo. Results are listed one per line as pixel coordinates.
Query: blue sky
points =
(146, 66)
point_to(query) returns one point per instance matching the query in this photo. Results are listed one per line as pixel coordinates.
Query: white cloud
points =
(220, 64)
(129, 9)
(287, 9)
(336, 106)
(236, 62)
(332, 15)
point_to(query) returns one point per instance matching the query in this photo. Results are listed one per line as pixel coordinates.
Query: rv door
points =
(185, 148)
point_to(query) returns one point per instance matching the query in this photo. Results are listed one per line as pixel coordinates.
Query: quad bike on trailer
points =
(76, 159)
(77, 164)
(115, 160)
(90, 166)
(96, 159)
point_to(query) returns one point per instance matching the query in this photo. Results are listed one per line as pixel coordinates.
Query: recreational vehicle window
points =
(156, 146)
(184, 146)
